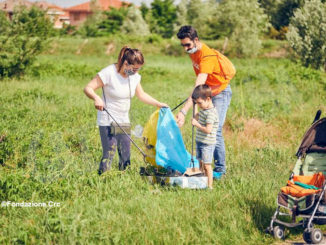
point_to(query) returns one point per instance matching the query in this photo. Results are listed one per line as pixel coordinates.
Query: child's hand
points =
(195, 123)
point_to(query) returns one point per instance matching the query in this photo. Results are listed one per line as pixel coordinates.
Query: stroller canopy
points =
(314, 139)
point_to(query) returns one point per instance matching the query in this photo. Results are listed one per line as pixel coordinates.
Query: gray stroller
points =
(307, 210)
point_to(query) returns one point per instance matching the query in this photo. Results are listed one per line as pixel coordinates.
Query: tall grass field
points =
(50, 151)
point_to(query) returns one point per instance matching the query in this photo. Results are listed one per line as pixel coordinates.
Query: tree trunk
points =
(226, 40)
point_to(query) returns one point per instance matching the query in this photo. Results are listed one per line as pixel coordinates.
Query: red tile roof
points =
(46, 5)
(101, 4)
(9, 5)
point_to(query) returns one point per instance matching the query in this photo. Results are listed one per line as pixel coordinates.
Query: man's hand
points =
(180, 119)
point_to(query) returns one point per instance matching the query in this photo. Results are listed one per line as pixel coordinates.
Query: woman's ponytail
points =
(121, 57)
(132, 56)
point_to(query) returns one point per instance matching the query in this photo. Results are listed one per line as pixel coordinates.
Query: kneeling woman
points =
(119, 82)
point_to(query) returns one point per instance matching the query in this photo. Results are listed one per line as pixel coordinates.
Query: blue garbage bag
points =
(170, 149)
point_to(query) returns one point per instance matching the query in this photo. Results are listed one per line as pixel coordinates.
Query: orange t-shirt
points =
(205, 61)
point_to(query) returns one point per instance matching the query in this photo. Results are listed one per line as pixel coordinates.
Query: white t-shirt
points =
(117, 95)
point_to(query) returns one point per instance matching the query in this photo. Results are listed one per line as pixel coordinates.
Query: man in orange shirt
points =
(208, 71)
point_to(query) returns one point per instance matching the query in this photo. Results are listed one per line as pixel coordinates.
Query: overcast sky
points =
(69, 3)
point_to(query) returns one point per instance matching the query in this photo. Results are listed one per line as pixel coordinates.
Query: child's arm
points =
(206, 129)
(196, 113)
(197, 116)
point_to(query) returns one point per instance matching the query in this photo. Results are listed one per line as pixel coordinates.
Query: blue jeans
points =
(204, 152)
(221, 103)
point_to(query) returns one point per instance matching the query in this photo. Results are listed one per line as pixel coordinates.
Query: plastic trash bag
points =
(149, 137)
(138, 131)
(170, 149)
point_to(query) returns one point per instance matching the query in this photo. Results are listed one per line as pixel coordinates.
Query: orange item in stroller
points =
(298, 191)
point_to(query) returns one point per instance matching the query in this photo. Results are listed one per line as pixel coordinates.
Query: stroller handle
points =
(317, 117)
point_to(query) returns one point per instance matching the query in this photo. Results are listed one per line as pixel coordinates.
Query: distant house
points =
(79, 13)
(9, 6)
(57, 15)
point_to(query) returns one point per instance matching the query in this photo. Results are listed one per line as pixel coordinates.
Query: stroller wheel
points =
(269, 230)
(278, 232)
(306, 236)
(316, 236)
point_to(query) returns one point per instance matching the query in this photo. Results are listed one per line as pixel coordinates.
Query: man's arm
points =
(201, 79)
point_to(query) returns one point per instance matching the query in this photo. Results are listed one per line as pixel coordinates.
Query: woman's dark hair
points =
(132, 56)
(187, 31)
(201, 91)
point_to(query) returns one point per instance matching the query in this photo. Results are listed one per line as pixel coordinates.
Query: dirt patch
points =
(254, 133)
(298, 241)
(109, 49)
(281, 53)
(2, 138)
(81, 46)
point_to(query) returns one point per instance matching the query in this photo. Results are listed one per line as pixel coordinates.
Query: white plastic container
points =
(181, 181)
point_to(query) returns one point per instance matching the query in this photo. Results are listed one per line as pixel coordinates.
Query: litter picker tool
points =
(140, 150)
(192, 171)
(179, 105)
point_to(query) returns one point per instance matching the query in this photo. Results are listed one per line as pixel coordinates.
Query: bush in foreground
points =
(22, 39)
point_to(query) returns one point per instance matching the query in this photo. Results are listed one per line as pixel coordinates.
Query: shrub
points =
(134, 23)
(307, 34)
(4, 23)
(243, 21)
(103, 23)
(68, 30)
(173, 49)
(112, 21)
(275, 34)
(23, 39)
(154, 38)
(162, 17)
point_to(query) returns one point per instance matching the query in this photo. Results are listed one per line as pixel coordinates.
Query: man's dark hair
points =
(187, 31)
(201, 91)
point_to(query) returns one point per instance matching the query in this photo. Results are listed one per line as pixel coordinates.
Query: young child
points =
(206, 122)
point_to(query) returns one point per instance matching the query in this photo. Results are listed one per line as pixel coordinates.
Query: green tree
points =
(182, 16)
(104, 23)
(284, 12)
(4, 23)
(201, 15)
(307, 34)
(144, 10)
(25, 38)
(112, 21)
(162, 17)
(243, 21)
(280, 12)
(134, 23)
(269, 6)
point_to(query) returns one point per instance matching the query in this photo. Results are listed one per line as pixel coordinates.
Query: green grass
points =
(51, 150)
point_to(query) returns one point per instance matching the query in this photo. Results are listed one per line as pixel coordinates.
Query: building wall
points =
(76, 18)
